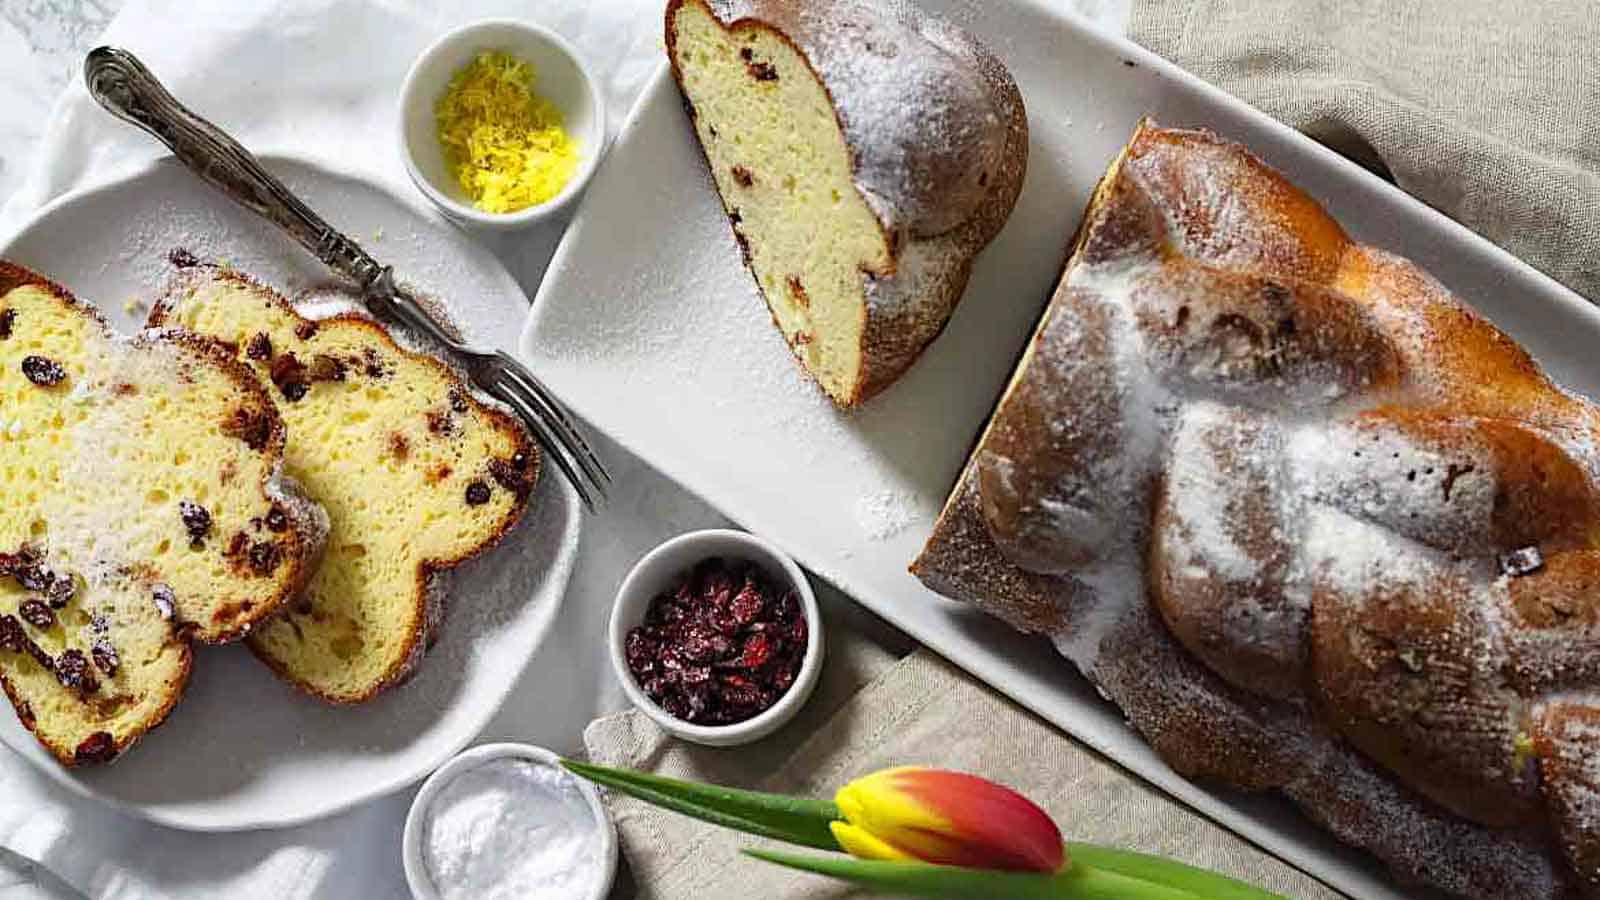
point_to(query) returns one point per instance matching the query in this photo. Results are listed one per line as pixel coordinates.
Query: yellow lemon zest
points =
(505, 143)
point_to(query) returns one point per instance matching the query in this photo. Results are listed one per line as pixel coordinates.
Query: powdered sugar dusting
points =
(884, 514)
(927, 131)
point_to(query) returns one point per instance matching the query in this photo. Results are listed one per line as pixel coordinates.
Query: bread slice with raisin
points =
(865, 152)
(417, 477)
(126, 465)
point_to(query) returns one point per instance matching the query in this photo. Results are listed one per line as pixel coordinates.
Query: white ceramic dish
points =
(411, 851)
(242, 750)
(648, 325)
(563, 78)
(655, 573)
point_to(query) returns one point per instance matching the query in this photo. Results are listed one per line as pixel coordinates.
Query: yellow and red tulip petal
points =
(950, 818)
(863, 844)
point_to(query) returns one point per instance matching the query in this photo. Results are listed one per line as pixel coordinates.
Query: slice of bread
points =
(417, 477)
(127, 464)
(864, 153)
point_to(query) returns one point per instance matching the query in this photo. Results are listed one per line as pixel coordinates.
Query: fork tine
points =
(562, 423)
(555, 448)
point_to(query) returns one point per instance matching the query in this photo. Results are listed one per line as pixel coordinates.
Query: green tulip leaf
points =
(1078, 881)
(1145, 867)
(789, 819)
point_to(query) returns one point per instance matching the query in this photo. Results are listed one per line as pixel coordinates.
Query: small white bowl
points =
(658, 571)
(563, 78)
(421, 883)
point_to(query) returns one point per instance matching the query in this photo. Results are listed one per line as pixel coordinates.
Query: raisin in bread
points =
(865, 152)
(417, 477)
(129, 465)
(1312, 523)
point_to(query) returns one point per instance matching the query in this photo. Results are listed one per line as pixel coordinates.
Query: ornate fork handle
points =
(120, 83)
(125, 87)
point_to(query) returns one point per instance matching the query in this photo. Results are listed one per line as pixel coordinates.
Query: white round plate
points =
(242, 750)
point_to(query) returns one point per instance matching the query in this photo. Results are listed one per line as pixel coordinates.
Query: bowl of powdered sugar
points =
(505, 821)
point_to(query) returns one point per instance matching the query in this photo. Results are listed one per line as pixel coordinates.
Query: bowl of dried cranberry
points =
(716, 636)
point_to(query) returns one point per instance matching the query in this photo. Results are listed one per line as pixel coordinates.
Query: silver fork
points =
(122, 84)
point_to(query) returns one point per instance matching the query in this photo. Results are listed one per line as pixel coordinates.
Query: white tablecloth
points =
(319, 78)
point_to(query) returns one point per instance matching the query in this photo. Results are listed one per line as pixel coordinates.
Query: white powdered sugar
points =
(512, 829)
(1203, 499)
(884, 514)
(1374, 471)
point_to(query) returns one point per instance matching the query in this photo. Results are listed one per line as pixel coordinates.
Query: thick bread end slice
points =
(125, 465)
(864, 154)
(417, 476)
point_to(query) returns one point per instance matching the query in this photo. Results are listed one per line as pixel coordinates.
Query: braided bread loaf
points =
(1313, 524)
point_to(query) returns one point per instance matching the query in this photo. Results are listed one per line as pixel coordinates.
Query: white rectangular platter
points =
(649, 327)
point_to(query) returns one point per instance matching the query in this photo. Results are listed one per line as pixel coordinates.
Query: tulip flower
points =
(945, 818)
(930, 833)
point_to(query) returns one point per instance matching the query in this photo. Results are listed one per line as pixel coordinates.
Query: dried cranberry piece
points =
(196, 521)
(747, 696)
(305, 330)
(477, 493)
(96, 748)
(105, 656)
(671, 659)
(757, 651)
(37, 614)
(291, 376)
(259, 347)
(640, 651)
(699, 701)
(715, 583)
(511, 477)
(72, 670)
(372, 363)
(12, 637)
(264, 557)
(8, 318)
(61, 591)
(703, 645)
(43, 372)
(748, 604)
(277, 519)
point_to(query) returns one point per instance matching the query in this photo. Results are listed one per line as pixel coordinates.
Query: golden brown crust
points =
(1418, 692)
(426, 599)
(895, 333)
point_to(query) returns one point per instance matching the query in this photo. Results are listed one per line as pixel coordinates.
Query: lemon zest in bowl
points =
(505, 143)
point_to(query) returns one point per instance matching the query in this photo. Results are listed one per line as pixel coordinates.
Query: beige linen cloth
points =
(1487, 110)
(874, 710)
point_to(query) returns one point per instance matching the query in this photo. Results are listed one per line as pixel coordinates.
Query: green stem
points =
(777, 816)
(1077, 882)
(1145, 867)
